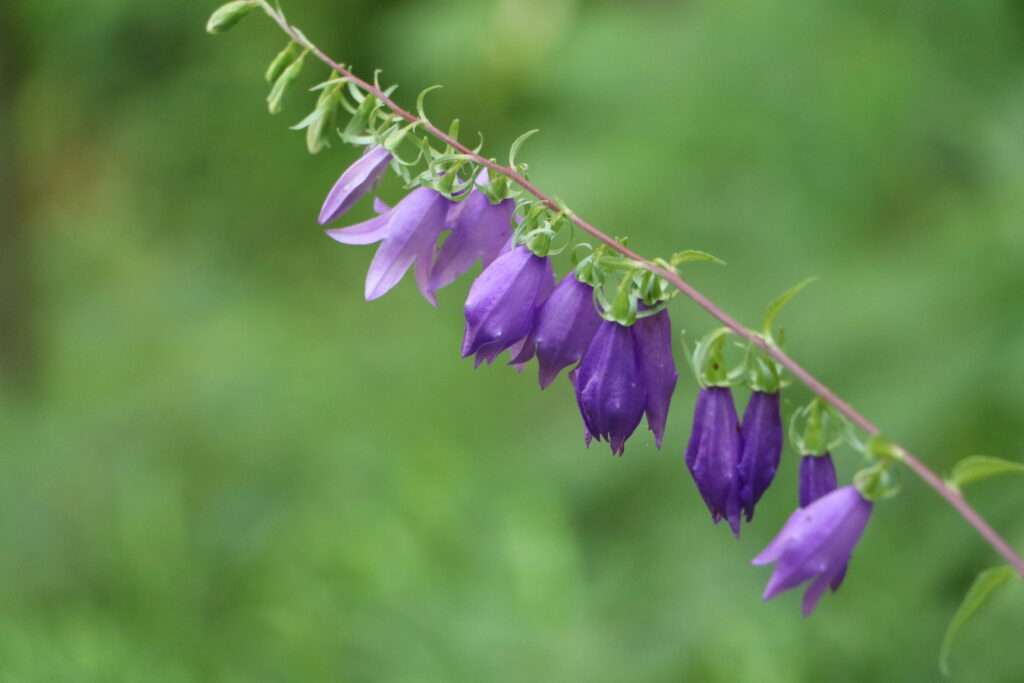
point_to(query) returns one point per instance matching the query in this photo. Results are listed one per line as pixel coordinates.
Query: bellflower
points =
(817, 478)
(502, 305)
(713, 453)
(609, 387)
(653, 336)
(566, 324)
(356, 181)
(480, 231)
(816, 543)
(761, 434)
(408, 233)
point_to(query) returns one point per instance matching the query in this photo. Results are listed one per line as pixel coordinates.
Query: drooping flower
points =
(816, 543)
(480, 230)
(356, 181)
(408, 233)
(565, 326)
(609, 387)
(502, 305)
(713, 453)
(761, 434)
(817, 478)
(653, 336)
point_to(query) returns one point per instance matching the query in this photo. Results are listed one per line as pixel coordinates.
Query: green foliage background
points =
(218, 463)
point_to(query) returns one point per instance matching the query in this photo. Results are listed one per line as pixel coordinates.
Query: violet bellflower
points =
(609, 387)
(565, 326)
(356, 181)
(657, 367)
(815, 545)
(407, 233)
(761, 435)
(714, 452)
(480, 232)
(502, 305)
(817, 478)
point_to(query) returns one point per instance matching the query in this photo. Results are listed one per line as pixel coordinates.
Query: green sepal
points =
(776, 306)
(824, 429)
(692, 256)
(882, 449)
(226, 16)
(979, 467)
(281, 62)
(708, 361)
(981, 590)
(517, 146)
(876, 482)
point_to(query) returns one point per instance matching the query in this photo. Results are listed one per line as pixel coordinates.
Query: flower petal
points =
(658, 367)
(415, 222)
(357, 180)
(367, 232)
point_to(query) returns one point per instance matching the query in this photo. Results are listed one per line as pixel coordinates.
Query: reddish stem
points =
(952, 496)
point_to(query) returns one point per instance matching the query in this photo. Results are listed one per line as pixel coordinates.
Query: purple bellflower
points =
(817, 478)
(761, 434)
(502, 305)
(565, 326)
(480, 232)
(816, 543)
(713, 453)
(408, 233)
(356, 181)
(609, 387)
(653, 336)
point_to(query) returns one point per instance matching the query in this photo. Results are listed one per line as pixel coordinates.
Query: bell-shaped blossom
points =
(653, 336)
(817, 478)
(502, 305)
(565, 326)
(761, 434)
(480, 231)
(815, 545)
(408, 233)
(356, 181)
(610, 389)
(713, 453)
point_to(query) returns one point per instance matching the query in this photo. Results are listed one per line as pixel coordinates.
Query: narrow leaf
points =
(518, 144)
(978, 467)
(977, 595)
(775, 307)
(692, 255)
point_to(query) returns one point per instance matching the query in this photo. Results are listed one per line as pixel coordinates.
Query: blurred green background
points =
(219, 463)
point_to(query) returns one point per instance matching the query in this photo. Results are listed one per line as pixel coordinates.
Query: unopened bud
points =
(226, 16)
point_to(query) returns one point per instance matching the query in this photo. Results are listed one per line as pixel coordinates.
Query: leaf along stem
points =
(951, 496)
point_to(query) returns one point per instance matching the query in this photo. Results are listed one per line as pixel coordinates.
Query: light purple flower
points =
(502, 305)
(609, 387)
(761, 434)
(713, 453)
(480, 231)
(408, 233)
(566, 324)
(816, 543)
(817, 478)
(356, 181)
(653, 336)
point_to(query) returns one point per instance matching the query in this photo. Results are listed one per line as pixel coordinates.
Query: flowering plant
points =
(607, 322)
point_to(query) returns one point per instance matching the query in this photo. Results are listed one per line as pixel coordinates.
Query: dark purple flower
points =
(408, 233)
(714, 451)
(480, 230)
(816, 543)
(817, 478)
(653, 336)
(566, 324)
(609, 387)
(356, 181)
(761, 435)
(503, 302)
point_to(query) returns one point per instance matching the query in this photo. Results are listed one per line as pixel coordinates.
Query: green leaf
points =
(977, 595)
(775, 307)
(978, 467)
(518, 144)
(693, 255)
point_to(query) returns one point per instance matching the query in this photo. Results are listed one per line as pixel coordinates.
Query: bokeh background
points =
(218, 463)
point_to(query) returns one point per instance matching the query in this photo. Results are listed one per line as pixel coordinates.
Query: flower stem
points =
(951, 496)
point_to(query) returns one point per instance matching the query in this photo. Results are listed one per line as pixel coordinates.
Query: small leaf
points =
(775, 307)
(692, 255)
(977, 595)
(978, 467)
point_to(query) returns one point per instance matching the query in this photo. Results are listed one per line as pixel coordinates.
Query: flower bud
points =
(226, 16)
